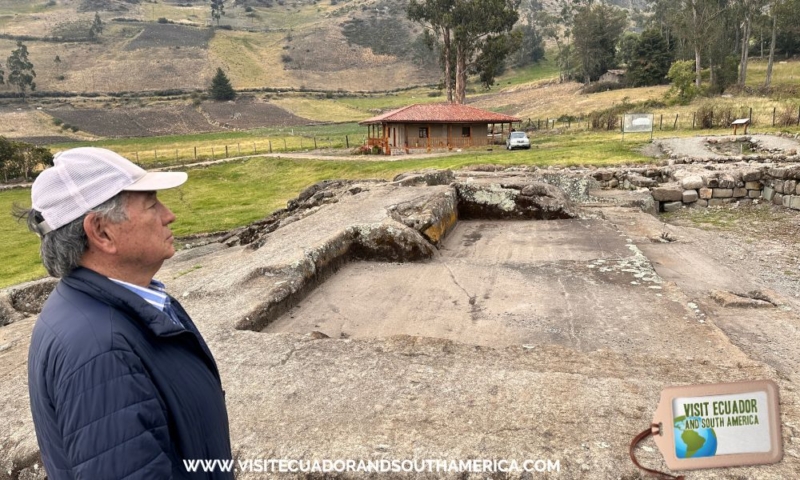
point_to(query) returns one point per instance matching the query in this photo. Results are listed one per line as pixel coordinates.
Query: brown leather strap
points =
(653, 430)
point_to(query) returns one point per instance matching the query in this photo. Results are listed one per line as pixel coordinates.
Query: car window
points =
(517, 135)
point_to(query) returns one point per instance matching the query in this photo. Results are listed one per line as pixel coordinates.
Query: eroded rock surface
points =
(509, 336)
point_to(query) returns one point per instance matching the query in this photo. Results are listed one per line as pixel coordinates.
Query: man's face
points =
(144, 241)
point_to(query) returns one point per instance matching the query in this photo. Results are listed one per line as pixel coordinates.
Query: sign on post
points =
(637, 123)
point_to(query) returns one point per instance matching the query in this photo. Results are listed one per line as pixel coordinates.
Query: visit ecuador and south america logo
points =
(694, 430)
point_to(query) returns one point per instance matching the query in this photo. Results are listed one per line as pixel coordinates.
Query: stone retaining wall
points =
(712, 186)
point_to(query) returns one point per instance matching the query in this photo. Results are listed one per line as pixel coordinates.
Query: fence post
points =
(254, 148)
(195, 153)
(694, 117)
(712, 118)
(212, 153)
(176, 155)
(675, 125)
(226, 151)
(284, 144)
(661, 122)
(155, 154)
(270, 145)
(751, 116)
(315, 143)
(347, 141)
(137, 158)
(773, 116)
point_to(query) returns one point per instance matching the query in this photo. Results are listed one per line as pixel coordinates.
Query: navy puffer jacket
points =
(118, 391)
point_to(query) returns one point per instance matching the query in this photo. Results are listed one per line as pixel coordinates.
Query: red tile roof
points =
(439, 113)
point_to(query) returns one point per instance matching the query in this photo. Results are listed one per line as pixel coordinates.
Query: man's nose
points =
(168, 217)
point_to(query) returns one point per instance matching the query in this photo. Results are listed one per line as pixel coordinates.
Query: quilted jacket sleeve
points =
(112, 421)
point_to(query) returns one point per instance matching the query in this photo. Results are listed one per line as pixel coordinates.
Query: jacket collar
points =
(104, 290)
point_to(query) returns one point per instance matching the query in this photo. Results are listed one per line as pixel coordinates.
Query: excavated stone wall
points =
(713, 185)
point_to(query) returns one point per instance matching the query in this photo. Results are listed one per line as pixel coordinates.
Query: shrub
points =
(705, 116)
(248, 9)
(74, 128)
(788, 116)
(725, 115)
(286, 58)
(163, 20)
(683, 90)
(57, 122)
(602, 87)
(362, 150)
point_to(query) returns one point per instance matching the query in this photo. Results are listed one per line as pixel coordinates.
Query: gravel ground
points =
(696, 146)
(763, 238)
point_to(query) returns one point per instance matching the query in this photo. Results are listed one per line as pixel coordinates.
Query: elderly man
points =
(122, 384)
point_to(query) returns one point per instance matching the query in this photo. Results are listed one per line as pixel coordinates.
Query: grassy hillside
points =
(159, 44)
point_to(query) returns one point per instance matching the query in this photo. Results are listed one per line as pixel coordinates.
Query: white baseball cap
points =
(83, 178)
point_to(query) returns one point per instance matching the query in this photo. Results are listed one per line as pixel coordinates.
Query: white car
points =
(517, 140)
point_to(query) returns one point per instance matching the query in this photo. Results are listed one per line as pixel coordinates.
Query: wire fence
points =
(705, 117)
(702, 118)
(187, 154)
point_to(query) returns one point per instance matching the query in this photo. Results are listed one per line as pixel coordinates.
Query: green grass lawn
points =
(545, 69)
(234, 194)
(783, 72)
(19, 257)
(175, 149)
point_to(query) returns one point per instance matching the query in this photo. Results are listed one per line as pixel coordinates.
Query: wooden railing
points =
(437, 143)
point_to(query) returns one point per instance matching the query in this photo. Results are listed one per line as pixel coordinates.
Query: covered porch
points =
(397, 138)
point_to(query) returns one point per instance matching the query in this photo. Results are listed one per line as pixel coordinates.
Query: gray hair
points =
(63, 248)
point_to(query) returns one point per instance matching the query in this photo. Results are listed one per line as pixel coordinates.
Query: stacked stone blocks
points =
(674, 189)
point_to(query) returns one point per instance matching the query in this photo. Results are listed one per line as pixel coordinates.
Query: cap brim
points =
(157, 181)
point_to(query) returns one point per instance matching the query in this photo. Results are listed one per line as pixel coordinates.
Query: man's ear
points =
(100, 236)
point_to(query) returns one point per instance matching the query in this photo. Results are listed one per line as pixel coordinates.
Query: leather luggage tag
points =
(719, 425)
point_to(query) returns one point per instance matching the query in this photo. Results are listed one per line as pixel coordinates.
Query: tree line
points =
(20, 70)
(713, 38)
(20, 159)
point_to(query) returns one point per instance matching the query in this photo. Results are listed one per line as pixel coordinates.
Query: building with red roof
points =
(436, 126)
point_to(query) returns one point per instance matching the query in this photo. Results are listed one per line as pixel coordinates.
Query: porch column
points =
(430, 131)
(449, 136)
(385, 128)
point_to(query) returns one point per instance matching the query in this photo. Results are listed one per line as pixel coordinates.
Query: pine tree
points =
(650, 60)
(97, 26)
(221, 88)
(20, 69)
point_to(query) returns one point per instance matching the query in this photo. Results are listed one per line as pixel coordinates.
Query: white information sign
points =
(638, 123)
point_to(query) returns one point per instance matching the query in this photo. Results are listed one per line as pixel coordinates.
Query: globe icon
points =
(694, 442)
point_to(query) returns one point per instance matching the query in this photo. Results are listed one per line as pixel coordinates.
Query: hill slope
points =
(349, 45)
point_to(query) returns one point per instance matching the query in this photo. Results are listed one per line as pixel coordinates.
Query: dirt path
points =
(697, 146)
